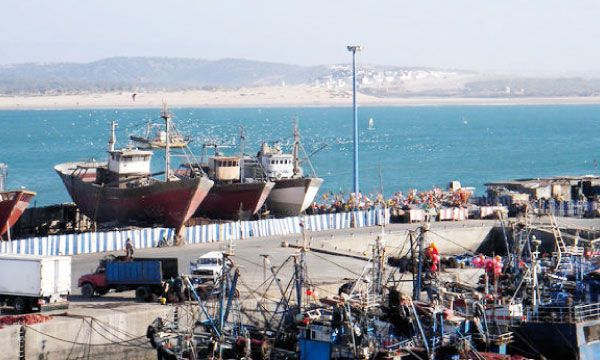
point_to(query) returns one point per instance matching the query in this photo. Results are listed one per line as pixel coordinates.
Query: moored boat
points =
(12, 204)
(291, 197)
(293, 191)
(560, 332)
(155, 137)
(123, 189)
(231, 197)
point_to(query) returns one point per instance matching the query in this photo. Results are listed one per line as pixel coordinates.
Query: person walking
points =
(129, 249)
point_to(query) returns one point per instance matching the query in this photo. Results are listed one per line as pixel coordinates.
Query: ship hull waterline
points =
(168, 203)
(238, 201)
(291, 197)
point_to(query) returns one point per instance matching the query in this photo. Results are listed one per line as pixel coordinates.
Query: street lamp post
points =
(354, 49)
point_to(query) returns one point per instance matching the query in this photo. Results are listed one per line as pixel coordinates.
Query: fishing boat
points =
(155, 137)
(123, 189)
(539, 306)
(368, 319)
(12, 204)
(561, 316)
(293, 191)
(231, 197)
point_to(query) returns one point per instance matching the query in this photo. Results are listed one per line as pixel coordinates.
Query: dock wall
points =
(454, 240)
(117, 334)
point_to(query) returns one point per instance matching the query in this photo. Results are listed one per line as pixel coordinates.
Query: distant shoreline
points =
(292, 96)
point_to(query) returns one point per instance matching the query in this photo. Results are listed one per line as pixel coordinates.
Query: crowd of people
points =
(433, 199)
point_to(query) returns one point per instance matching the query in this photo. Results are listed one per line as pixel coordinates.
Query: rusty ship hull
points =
(12, 206)
(291, 197)
(235, 201)
(168, 203)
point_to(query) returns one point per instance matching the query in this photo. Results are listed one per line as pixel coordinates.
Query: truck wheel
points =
(21, 305)
(141, 294)
(87, 290)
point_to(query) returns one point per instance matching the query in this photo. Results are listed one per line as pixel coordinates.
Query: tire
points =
(87, 290)
(21, 305)
(141, 294)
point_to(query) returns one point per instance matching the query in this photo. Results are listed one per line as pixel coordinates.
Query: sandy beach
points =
(257, 97)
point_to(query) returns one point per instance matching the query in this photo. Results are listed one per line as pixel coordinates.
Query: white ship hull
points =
(291, 197)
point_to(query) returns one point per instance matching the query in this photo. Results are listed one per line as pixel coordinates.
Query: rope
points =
(105, 326)
(76, 342)
(77, 336)
(528, 343)
(454, 242)
(336, 264)
(140, 342)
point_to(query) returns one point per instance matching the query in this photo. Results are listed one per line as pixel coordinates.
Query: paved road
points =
(323, 268)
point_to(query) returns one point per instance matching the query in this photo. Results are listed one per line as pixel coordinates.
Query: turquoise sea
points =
(415, 147)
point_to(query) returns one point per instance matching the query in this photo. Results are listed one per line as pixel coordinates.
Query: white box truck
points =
(30, 282)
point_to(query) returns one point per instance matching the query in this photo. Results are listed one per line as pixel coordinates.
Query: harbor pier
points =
(115, 325)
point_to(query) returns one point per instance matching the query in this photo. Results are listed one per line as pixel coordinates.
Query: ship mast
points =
(242, 148)
(296, 150)
(3, 172)
(242, 141)
(113, 139)
(167, 117)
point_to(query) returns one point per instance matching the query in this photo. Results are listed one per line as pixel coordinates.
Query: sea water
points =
(408, 147)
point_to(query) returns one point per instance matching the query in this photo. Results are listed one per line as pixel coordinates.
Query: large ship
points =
(12, 204)
(232, 197)
(293, 191)
(123, 190)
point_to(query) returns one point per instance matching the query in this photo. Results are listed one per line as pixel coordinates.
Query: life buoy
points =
(278, 175)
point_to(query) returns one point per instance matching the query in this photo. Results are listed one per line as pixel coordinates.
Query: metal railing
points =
(587, 312)
(564, 208)
(568, 314)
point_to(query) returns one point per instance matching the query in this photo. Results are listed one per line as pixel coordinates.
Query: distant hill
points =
(149, 73)
(159, 73)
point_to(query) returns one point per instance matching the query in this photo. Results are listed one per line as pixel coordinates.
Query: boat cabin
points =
(275, 163)
(224, 168)
(124, 165)
(129, 162)
(252, 170)
(161, 136)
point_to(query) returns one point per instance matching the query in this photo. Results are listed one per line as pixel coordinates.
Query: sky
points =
(501, 36)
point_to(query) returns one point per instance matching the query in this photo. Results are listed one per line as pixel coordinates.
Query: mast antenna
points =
(167, 117)
(296, 150)
(242, 140)
(113, 138)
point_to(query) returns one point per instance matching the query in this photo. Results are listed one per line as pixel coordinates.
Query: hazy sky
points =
(535, 36)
